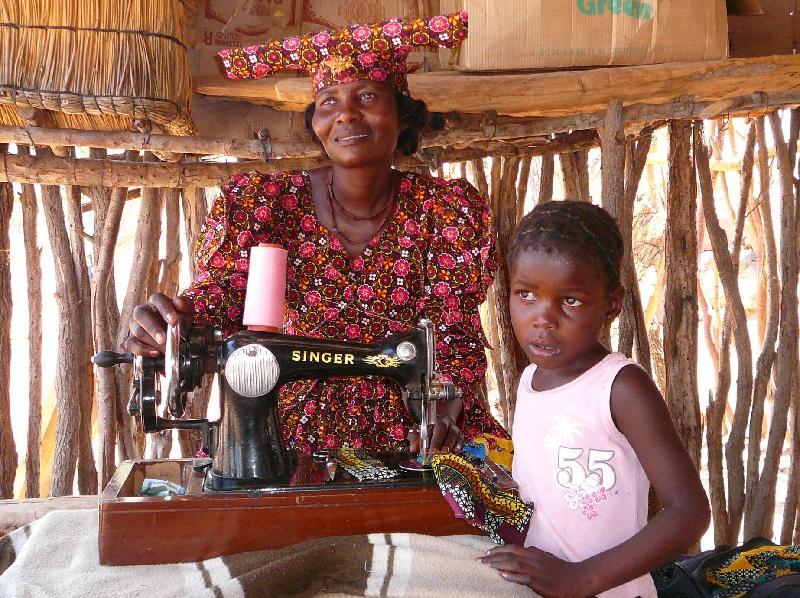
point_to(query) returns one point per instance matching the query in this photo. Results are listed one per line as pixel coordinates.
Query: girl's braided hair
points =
(574, 228)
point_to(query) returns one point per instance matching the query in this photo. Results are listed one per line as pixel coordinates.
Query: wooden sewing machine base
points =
(139, 530)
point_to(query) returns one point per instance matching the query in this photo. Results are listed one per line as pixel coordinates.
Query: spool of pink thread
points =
(266, 288)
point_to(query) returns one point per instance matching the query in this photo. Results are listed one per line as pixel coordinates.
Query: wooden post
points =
(168, 279)
(171, 263)
(575, 170)
(70, 330)
(145, 252)
(771, 309)
(680, 322)
(480, 177)
(493, 302)
(709, 331)
(87, 472)
(512, 360)
(633, 176)
(33, 269)
(522, 185)
(165, 267)
(546, 179)
(786, 359)
(612, 139)
(109, 205)
(570, 177)
(582, 173)
(790, 526)
(728, 267)
(195, 208)
(8, 451)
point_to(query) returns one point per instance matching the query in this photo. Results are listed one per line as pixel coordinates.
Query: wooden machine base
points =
(150, 530)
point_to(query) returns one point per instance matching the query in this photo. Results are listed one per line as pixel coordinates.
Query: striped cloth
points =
(57, 556)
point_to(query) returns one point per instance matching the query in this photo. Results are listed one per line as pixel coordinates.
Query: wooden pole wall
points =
(624, 155)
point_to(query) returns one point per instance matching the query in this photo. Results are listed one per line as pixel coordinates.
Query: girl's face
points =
(559, 305)
(357, 122)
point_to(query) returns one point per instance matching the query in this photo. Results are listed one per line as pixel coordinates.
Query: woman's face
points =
(357, 123)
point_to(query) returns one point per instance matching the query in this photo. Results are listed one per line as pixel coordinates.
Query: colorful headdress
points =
(375, 52)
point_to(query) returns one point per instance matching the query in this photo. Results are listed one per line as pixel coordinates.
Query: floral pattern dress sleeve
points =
(460, 267)
(222, 253)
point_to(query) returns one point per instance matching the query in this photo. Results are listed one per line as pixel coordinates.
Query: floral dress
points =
(434, 258)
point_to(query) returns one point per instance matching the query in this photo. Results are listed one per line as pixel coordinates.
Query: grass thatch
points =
(107, 61)
(63, 120)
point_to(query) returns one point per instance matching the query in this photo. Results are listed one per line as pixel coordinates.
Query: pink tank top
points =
(587, 485)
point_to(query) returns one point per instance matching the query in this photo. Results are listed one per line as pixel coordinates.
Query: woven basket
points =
(102, 63)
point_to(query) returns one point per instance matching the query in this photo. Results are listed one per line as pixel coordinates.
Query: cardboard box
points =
(775, 31)
(220, 24)
(325, 14)
(546, 34)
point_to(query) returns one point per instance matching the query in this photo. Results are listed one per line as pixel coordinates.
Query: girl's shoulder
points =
(625, 371)
(633, 389)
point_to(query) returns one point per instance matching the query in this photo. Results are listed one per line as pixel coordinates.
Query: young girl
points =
(591, 431)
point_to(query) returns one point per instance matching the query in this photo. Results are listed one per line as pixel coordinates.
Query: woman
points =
(371, 250)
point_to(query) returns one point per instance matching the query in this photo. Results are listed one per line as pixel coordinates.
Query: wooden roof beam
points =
(552, 94)
(462, 130)
(51, 170)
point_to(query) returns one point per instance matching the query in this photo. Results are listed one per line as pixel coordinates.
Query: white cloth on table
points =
(57, 555)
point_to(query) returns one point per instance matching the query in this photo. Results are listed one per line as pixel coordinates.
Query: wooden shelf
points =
(560, 93)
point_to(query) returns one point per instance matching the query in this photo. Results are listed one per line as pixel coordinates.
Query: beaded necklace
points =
(384, 210)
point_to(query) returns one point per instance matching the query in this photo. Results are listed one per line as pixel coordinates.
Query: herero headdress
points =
(375, 52)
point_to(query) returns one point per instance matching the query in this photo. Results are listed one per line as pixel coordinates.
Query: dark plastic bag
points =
(686, 576)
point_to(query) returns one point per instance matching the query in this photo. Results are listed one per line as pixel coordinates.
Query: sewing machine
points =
(252, 485)
(246, 443)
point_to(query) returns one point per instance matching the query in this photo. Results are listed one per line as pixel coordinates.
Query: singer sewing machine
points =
(252, 492)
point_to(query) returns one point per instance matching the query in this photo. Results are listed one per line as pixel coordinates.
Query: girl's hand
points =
(539, 570)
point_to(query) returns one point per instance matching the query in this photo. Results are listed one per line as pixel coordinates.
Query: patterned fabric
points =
(434, 259)
(375, 51)
(499, 450)
(363, 467)
(502, 515)
(745, 570)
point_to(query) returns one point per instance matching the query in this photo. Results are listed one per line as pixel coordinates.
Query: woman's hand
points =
(540, 571)
(445, 435)
(148, 328)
